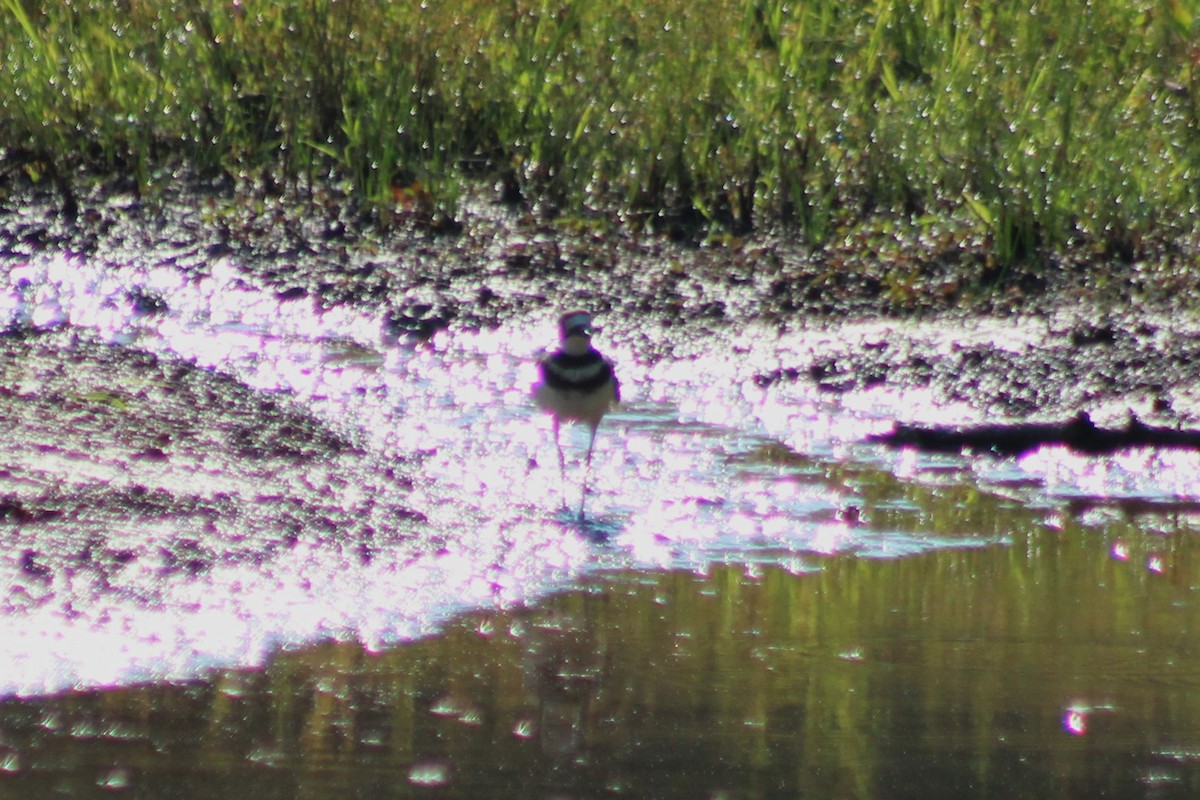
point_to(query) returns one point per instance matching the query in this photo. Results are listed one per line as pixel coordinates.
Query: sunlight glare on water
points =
(679, 478)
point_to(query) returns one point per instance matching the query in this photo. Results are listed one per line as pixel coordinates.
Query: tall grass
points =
(1044, 123)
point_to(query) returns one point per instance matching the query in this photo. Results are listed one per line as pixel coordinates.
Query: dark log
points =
(1078, 433)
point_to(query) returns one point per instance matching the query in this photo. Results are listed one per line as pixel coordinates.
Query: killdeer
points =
(576, 384)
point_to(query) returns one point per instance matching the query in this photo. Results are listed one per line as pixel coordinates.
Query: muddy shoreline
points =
(62, 392)
(130, 479)
(116, 464)
(1110, 329)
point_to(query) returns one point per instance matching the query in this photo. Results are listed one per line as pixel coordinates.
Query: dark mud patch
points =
(1079, 434)
(111, 457)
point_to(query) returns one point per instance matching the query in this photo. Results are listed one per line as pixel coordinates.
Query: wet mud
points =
(1127, 362)
(1097, 349)
(1110, 328)
(123, 474)
(129, 473)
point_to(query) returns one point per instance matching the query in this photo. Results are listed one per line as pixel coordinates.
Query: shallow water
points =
(758, 599)
(1046, 668)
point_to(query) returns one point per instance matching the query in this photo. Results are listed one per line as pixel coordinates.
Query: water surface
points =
(1046, 668)
(758, 605)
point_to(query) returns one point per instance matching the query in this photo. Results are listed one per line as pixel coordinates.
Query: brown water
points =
(1063, 664)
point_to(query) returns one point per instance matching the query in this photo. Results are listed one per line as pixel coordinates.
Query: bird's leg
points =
(587, 468)
(562, 465)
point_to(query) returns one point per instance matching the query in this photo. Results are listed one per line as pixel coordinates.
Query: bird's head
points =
(575, 323)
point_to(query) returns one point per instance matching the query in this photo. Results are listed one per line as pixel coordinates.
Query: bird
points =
(576, 384)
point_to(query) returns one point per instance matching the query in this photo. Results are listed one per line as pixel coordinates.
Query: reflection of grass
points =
(1068, 122)
(953, 670)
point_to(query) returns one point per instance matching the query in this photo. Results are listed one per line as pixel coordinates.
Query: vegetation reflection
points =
(1062, 663)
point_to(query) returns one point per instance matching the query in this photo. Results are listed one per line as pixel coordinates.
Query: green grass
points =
(1042, 125)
